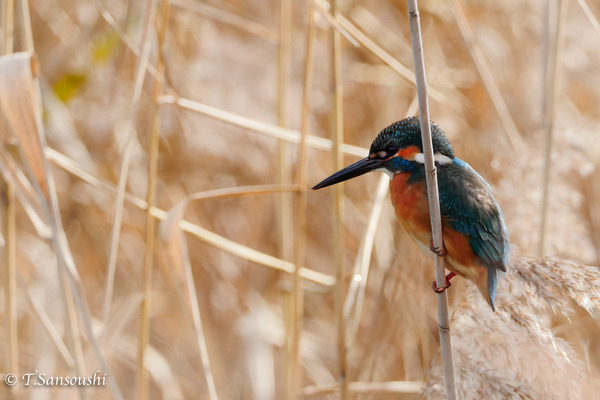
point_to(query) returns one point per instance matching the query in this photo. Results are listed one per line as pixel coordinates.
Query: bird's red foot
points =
(440, 252)
(446, 286)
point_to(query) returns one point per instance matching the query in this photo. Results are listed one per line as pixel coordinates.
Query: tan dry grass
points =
(220, 105)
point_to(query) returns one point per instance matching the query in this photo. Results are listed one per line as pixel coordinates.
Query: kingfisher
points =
(474, 232)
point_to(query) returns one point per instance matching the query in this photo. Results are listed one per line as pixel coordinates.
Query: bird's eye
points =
(380, 154)
(384, 154)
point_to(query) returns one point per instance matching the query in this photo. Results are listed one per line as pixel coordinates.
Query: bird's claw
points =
(440, 252)
(437, 289)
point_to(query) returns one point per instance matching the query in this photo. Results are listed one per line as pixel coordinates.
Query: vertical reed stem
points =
(285, 171)
(433, 195)
(162, 19)
(293, 323)
(8, 217)
(10, 281)
(554, 25)
(300, 242)
(337, 136)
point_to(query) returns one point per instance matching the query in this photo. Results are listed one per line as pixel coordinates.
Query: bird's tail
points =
(486, 282)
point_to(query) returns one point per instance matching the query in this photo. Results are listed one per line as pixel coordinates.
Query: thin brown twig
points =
(433, 196)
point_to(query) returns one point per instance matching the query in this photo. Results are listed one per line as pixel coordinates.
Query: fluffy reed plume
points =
(509, 353)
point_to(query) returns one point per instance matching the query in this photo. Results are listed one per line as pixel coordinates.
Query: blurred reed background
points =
(228, 106)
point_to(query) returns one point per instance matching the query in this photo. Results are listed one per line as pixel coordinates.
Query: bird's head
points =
(397, 149)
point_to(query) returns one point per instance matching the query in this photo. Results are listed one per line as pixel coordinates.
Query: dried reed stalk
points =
(356, 290)
(323, 7)
(433, 196)
(207, 236)
(22, 111)
(337, 136)
(286, 243)
(286, 213)
(219, 14)
(387, 58)
(129, 131)
(8, 26)
(128, 41)
(486, 76)
(264, 128)
(8, 203)
(301, 207)
(162, 18)
(10, 281)
(20, 107)
(358, 285)
(177, 250)
(554, 23)
(588, 13)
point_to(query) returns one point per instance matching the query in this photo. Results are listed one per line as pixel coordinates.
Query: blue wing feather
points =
(468, 206)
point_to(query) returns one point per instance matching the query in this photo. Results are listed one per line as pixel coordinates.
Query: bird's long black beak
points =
(351, 171)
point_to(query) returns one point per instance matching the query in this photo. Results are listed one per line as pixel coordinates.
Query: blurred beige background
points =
(218, 85)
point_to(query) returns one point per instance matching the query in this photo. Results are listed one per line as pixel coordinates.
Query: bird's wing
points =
(468, 207)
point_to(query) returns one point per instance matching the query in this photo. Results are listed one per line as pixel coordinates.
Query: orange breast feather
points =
(412, 209)
(410, 204)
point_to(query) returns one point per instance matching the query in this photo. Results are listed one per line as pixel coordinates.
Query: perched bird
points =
(475, 236)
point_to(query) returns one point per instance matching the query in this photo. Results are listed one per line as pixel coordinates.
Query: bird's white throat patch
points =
(387, 172)
(438, 157)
